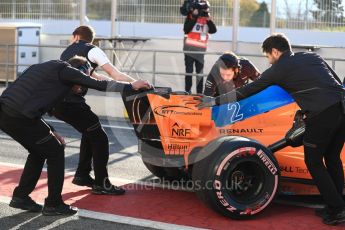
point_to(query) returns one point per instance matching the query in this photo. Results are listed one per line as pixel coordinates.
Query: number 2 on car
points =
(235, 109)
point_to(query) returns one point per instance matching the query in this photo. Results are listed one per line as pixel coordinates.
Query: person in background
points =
(197, 27)
(229, 72)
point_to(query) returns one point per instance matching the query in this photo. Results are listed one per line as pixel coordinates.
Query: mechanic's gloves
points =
(205, 101)
(141, 84)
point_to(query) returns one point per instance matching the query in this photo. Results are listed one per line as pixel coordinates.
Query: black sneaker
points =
(335, 217)
(61, 209)
(322, 212)
(83, 181)
(108, 190)
(25, 204)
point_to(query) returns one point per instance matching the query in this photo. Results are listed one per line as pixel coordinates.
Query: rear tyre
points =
(239, 179)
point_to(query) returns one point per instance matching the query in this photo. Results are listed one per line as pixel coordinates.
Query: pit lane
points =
(155, 204)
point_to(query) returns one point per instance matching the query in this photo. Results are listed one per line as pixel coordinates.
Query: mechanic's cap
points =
(230, 60)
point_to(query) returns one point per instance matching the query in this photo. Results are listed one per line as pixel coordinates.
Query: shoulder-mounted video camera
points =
(190, 5)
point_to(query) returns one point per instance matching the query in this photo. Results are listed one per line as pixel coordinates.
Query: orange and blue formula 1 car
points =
(238, 155)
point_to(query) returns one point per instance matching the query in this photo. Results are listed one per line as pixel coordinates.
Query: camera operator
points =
(197, 27)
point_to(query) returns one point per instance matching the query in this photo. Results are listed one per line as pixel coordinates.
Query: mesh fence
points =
(34, 10)
(291, 14)
(167, 11)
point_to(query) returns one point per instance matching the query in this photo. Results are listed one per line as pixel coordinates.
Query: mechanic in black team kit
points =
(320, 94)
(229, 72)
(23, 103)
(74, 111)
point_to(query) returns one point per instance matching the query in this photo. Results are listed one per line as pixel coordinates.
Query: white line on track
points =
(116, 218)
(133, 221)
(122, 219)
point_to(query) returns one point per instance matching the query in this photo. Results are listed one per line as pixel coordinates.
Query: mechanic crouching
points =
(229, 72)
(319, 92)
(23, 103)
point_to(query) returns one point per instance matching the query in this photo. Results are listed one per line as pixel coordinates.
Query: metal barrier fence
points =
(303, 14)
(154, 72)
(8, 68)
(36, 10)
(168, 11)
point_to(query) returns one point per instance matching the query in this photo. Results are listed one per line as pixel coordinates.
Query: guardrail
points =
(154, 72)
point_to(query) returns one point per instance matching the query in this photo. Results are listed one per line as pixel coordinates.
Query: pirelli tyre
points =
(238, 179)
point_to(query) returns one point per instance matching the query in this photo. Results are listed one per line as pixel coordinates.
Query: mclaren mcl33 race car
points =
(238, 155)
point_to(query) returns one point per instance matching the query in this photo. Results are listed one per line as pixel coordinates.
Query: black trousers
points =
(323, 142)
(94, 141)
(190, 60)
(36, 136)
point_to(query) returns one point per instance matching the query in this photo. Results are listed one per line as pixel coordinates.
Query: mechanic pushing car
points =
(320, 94)
(94, 142)
(229, 72)
(23, 103)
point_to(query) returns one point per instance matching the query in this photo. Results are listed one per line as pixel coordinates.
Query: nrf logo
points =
(176, 131)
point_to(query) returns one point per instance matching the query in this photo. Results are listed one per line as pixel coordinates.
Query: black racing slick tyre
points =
(238, 179)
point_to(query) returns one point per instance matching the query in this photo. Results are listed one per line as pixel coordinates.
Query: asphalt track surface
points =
(11, 219)
(124, 162)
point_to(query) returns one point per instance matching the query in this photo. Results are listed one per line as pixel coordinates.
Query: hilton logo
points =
(178, 148)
